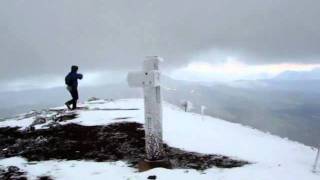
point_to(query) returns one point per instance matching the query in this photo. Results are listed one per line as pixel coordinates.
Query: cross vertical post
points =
(153, 112)
(149, 80)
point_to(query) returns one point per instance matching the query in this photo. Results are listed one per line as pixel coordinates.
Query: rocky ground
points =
(105, 140)
(118, 141)
(14, 173)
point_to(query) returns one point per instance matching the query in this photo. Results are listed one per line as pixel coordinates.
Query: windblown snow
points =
(271, 157)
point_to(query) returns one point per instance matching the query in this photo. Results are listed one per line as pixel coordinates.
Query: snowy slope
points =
(272, 157)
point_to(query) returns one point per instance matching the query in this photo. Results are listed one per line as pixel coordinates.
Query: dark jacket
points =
(72, 78)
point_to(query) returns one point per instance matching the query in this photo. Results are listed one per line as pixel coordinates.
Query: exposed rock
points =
(65, 116)
(45, 178)
(119, 141)
(52, 124)
(39, 120)
(93, 99)
(122, 118)
(32, 113)
(152, 177)
(12, 173)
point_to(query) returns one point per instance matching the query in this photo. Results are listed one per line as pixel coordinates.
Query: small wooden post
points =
(316, 161)
(203, 108)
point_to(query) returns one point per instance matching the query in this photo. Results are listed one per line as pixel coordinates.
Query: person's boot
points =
(74, 105)
(68, 105)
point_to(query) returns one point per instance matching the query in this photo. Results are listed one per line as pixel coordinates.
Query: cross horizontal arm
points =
(144, 79)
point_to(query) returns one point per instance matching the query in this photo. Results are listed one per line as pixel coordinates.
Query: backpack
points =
(68, 80)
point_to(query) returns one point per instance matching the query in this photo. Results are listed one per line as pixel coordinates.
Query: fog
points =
(285, 107)
(41, 39)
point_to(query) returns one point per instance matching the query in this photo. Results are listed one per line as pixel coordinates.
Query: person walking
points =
(71, 81)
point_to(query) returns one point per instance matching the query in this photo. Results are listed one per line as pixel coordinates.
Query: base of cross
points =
(145, 165)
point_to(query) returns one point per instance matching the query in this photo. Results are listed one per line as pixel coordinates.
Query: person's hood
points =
(74, 68)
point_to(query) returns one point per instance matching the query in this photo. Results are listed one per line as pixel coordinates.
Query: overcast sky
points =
(42, 38)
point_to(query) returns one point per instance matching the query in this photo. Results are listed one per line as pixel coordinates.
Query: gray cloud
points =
(45, 37)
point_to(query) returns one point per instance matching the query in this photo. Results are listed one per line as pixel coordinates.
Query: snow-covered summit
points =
(272, 157)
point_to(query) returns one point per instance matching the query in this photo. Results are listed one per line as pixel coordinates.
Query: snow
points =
(23, 123)
(272, 157)
(71, 169)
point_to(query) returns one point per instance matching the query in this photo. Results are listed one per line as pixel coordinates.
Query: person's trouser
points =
(75, 96)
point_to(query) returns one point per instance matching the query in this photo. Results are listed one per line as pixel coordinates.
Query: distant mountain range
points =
(287, 107)
(299, 75)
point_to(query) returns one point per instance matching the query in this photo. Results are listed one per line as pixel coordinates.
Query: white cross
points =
(149, 80)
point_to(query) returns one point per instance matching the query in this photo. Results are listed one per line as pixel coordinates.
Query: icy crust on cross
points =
(150, 80)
